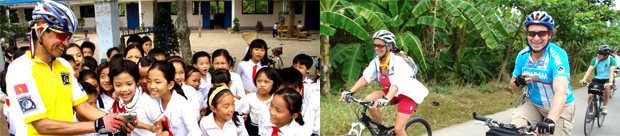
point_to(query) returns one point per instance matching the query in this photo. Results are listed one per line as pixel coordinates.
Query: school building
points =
(134, 14)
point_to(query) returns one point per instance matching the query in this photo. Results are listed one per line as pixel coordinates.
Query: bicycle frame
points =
(366, 121)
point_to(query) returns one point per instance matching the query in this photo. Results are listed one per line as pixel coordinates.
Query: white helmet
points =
(56, 15)
(386, 36)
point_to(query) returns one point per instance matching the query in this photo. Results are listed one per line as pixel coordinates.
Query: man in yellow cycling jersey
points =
(42, 87)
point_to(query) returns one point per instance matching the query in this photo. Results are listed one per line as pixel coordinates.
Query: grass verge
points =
(456, 103)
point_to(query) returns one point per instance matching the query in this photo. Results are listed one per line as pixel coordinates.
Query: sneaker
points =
(590, 117)
(604, 110)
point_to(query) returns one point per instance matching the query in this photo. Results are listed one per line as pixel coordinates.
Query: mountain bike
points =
(594, 105)
(380, 129)
(497, 125)
(521, 99)
(275, 61)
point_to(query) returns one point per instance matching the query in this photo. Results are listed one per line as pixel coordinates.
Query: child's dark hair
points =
(176, 59)
(223, 52)
(146, 39)
(109, 52)
(257, 43)
(125, 66)
(189, 70)
(90, 62)
(135, 38)
(165, 68)
(20, 51)
(90, 45)
(156, 52)
(117, 57)
(291, 77)
(71, 45)
(85, 74)
(220, 76)
(68, 57)
(216, 99)
(303, 59)
(88, 88)
(198, 55)
(136, 46)
(293, 102)
(9, 50)
(272, 74)
(146, 61)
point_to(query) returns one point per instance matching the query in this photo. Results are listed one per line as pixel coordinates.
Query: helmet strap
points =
(50, 58)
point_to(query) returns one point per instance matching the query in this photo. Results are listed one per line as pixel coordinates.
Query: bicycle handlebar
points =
(523, 130)
(367, 104)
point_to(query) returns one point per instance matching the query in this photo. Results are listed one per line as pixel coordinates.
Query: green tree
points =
(163, 19)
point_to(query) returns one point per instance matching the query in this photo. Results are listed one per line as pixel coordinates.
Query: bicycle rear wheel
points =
(418, 126)
(520, 100)
(613, 90)
(588, 126)
(601, 118)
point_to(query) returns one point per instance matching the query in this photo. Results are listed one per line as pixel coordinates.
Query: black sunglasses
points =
(539, 33)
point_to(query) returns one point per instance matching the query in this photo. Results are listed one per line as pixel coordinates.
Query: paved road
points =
(609, 128)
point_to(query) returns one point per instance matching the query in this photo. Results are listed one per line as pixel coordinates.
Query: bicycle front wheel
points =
(418, 126)
(587, 126)
(601, 117)
(520, 100)
(613, 90)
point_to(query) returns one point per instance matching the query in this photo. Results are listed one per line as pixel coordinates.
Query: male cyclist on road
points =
(392, 71)
(605, 66)
(617, 58)
(543, 68)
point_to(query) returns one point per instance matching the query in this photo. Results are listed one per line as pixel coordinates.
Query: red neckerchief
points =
(275, 131)
(116, 108)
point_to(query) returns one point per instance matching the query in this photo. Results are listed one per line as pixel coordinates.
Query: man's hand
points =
(545, 127)
(607, 85)
(107, 124)
(583, 81)
(344, 95)
(522, 80)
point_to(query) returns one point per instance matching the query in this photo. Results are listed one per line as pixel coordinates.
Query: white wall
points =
(249, 20)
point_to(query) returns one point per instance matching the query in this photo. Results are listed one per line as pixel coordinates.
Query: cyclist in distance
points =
(392, 71)
(604, 74)
(542, 67)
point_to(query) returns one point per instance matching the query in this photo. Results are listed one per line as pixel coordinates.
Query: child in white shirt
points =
(222, 120)
(179, 78)
(221, 77)
(285, 120)
(267, 80)
(202, 61)
(254, 60)
(222, 60)
(178, 115)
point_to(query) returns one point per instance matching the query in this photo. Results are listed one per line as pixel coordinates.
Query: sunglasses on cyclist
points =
(379, 46)
(539, 33)
(61, 34)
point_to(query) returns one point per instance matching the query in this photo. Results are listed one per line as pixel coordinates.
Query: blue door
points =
(133, 18)
(206, 14)
(228, 13)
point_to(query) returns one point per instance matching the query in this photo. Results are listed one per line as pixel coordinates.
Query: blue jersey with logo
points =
(602, 67)
(553, 63)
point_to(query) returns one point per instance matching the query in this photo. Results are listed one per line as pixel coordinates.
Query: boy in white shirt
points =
(202, 61)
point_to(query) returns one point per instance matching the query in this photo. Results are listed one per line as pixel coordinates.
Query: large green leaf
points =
(341, 21)
(393, 7)
(326, 30)
(426, 20)
(411, 43)
(329, 5)
(405, 5)
(352, 68)
(420, 8)
(479, 22)
(448, 6)
(373, 19)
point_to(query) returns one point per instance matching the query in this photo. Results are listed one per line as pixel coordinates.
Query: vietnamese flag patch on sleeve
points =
(20, 88)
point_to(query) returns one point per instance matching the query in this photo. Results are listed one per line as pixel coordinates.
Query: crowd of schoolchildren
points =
(206, 96)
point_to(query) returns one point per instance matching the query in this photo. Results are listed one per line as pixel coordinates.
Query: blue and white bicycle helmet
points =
(56, 15)
(51, 14)
(386, 36)
(540, 17)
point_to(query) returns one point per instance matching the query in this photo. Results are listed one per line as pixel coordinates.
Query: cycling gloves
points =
(547, 126)
(520, 81)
